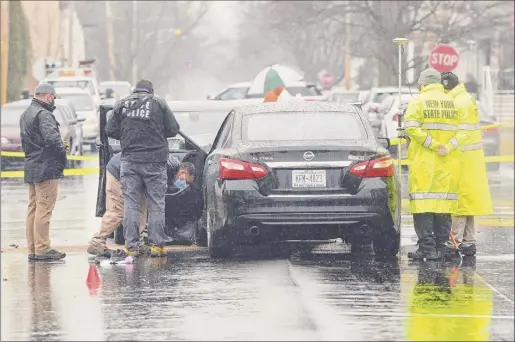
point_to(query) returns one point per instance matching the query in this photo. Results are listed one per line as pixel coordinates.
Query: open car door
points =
(104, 155)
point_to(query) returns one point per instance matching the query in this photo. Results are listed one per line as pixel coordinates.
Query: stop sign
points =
(444, 58)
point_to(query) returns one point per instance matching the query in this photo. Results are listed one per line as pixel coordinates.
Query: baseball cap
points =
(46, 88)
(145, 85)
(429, 76)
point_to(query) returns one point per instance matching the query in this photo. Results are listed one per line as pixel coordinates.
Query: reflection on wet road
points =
(330, 295)
(284, 299)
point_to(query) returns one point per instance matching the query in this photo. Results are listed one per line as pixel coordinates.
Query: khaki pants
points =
(42, 198)
(463, 229)
(113, 216)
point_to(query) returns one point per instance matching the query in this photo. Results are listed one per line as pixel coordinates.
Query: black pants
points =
(432, 230)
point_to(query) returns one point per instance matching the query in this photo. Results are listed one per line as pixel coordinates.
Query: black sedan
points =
(293, 171)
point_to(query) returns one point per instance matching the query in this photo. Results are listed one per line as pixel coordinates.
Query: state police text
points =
(440, 110)
(142, 111)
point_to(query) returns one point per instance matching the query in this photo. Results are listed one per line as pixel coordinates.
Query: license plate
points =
(114, 142)
(308, 178)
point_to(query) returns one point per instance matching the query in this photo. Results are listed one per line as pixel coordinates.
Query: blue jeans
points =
(150, 180)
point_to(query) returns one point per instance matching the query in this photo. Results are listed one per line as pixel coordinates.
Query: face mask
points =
(179, 183)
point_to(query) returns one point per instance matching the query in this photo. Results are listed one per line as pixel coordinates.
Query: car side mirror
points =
(80, 118)
(385, 142)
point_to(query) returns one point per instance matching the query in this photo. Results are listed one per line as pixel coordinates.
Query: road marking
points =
(499, 293)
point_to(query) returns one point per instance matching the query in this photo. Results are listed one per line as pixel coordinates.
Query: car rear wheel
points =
(219, 242)
(387, 243)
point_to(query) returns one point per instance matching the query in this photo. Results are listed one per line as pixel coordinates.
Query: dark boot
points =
(50, 256)
(449, 250)
(430, 255)
(468, 249)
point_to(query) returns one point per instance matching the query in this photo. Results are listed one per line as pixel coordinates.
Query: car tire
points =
(386, 243)
(201, 232)
(119, 239)
(219, 242)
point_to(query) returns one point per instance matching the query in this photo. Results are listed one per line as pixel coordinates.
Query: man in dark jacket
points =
(45, 159)
(143, 122)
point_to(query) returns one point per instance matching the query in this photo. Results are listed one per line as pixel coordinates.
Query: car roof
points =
(68, 78)
(296, 106)
(209, 105)
(115, 83)
(72, 90)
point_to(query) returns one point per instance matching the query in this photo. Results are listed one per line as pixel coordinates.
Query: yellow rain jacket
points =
(474, 191)
(431, 120)
(456, 312)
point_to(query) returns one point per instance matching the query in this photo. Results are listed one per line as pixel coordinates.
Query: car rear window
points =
(300, 126)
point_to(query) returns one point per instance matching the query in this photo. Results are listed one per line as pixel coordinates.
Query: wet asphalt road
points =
(329, 295)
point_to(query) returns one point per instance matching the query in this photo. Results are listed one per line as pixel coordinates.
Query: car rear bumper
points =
(244, 207)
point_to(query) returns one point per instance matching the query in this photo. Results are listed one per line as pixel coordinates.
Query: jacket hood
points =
(459, 89)
(432, 87)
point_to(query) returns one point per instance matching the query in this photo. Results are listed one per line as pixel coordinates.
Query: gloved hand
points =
(442, 150)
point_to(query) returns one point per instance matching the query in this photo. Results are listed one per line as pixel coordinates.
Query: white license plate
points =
(114, 142)
(308, 178)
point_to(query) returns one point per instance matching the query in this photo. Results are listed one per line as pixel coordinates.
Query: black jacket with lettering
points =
(45, 154)
(142, 122)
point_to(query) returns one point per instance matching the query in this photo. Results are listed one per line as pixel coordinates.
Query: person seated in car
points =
(184, 176)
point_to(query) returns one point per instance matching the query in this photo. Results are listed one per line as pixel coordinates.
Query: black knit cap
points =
(449, 80)
(144, 85)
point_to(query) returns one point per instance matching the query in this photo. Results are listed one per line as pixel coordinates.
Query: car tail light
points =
(395, 117)
(87, 72)
(381, 167)
(237, 169)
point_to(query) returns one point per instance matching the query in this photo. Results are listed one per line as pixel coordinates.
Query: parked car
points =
(239, 91)
(11, 140)
(343, 96)
(84, 82)
(319, 174)
(372, 103)
(121, 89)
(491, 136)
(86, 108)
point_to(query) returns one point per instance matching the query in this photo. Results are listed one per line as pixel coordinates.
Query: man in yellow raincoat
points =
(474, 191)
(449, 304)
(431, 123)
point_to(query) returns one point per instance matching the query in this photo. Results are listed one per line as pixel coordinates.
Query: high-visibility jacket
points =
(474, 191)
(432, 120)
(454, 312)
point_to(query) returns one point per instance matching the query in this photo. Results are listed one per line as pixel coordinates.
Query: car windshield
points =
(302, 126)
(83, 84)
(303, 91)
(379, 97)
(119, 89)
(81, 102)
(345, 97)
(10, 116)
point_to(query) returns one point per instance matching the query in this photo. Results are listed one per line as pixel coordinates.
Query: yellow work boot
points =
(157, 252)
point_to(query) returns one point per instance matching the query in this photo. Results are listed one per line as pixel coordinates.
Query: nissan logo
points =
(309, 156)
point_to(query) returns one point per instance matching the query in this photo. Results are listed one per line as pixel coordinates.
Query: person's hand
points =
(66, 146)
(442, 150)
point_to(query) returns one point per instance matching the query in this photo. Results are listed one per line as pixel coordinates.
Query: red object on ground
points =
(444, 58)
(93, 280)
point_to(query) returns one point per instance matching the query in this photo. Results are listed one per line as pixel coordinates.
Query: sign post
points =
(444, 58)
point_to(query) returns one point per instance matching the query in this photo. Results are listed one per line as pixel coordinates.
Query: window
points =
(233, 94)
(225, 133)
(301, 126)
(81, 102)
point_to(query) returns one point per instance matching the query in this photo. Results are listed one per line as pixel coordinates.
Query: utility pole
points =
(348, 75)
(4, 12)
(110, 47)
(134, 41)
(70, 32)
